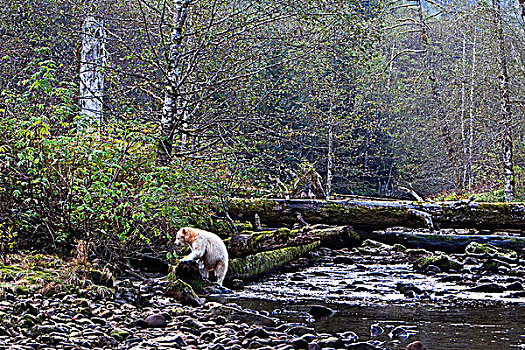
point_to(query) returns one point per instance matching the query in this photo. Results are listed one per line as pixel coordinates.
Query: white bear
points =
(207, 249)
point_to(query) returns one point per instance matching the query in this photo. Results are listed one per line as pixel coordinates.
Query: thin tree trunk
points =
(463, 113)
(329, 166)
(506, 113)
(472, 116)
(92, 60)
(171, 110)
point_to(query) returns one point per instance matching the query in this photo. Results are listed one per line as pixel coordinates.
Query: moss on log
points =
(377, 214)
(257, 264)
(256, 242)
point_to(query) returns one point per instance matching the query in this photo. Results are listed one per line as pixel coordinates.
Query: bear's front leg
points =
(205, 274)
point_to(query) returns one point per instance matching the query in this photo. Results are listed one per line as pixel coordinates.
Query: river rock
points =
(258, 332)
(184, 293)
(488, 250)
(515, 286)
(314, 346)
(320, 311)
(237, 314)
(444, 262)
(398, 333)
(488, 288)
(299, 330)
(361, 346)
(376, 330)
(156, 321)
(417, 345)
(327, 342)
(299, 343)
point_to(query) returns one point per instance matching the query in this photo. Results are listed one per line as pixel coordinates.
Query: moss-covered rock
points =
(490, 251)
(444, 262)
(183, 292)
(416, 254)
(189, 273)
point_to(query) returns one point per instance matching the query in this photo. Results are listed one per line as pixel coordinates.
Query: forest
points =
(287, 128)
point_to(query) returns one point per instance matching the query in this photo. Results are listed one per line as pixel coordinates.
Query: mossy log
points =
(446, 242)
(255, 242)
(375, 214)
(257, 264)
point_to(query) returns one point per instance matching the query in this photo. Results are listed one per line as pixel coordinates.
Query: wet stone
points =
(155, 321)
(488, 288)
(258, 332)
(320, 311)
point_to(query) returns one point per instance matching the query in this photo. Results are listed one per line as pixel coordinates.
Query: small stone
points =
(192, 323)
(433, 268)
(299, 343)
(299, 330)
(349, 337)
(208, 336)
(217, 347)
(361, 346)
(376, 330)
(258, 332)
(398, 333)
(343, 259)
(488, 288)
(417, 345)
(314, 346)
(320, 311)
(515, 286)
(156, 321)
(237, 284)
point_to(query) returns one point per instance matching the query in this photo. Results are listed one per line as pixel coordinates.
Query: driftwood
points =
(374, 214)
(451, 242)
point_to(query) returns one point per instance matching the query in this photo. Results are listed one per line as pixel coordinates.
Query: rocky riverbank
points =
(140, 316)
(329, 299)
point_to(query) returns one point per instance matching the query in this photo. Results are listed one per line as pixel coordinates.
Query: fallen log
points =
(258, 264)
(250, 243)
(446, 240)
(375, 214)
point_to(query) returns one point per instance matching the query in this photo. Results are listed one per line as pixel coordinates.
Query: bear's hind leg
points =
(220, 272)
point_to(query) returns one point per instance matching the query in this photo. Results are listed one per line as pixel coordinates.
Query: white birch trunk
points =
(92, 62)
(171, 110)
(472, 117)
(330, 161)
(463, 114)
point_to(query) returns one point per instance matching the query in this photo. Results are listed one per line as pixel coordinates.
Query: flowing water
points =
(444, 316)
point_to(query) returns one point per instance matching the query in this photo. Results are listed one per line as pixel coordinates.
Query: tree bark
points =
(92, 61)
(472, 116)
(369, 215)
(243, 245)
(506, 113)
(171, 111)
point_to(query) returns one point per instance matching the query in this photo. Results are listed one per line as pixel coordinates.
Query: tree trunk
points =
(171, 111)
(470, 174)
(330, 156)
(243, 245)
(369, 215)
(506, 113)
(463, 183)
(92, 61)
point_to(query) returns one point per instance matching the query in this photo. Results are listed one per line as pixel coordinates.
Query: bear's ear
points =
(184, 231)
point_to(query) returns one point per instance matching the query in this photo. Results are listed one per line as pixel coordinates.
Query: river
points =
(365, 291)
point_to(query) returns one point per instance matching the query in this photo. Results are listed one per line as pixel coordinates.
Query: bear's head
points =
(182, 236)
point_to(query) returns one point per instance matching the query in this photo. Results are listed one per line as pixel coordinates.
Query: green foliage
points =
(63, 183)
